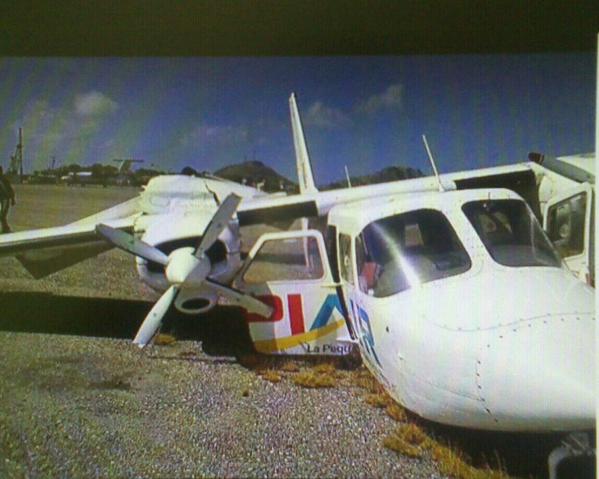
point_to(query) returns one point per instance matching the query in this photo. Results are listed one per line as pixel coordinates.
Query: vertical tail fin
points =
(304, 168)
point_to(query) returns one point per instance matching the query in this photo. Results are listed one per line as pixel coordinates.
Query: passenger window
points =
(402, 251)
(286, 259)
(565, 225)
(345, 263)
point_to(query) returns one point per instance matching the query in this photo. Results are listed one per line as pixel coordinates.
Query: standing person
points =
(7, 197)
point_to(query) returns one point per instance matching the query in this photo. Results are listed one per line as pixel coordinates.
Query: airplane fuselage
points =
(465, 338)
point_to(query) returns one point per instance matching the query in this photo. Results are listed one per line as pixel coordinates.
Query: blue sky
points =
(363, 112)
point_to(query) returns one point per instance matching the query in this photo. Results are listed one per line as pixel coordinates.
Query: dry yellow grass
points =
(453, 463)
(367, 381)
(325, 368)
(407, 439)
(270, 375)
(311, 379)
(379, 400)
(164, 339)
(397, 444)
(290, 367)
(411, 440)
(396, 412)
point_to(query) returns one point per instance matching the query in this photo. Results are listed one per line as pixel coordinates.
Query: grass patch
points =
(325, 368)
(379, 400)
(455, 464)
(396, 412)
(322, 375)
(365, 380)
(290, 367)
(407, 439)
(164, 339)
(270, 375)
(411, 440)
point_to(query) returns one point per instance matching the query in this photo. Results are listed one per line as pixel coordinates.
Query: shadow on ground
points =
(222, 331)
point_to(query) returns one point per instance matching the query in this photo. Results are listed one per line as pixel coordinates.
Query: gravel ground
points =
(91, 407)
(98, 407)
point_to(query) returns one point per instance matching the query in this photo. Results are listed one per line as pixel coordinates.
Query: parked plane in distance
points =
(457, 300)
(120, 177)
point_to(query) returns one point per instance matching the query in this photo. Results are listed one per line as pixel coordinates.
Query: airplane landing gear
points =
(576, 451)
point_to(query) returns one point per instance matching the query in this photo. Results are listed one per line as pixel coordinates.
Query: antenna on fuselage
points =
(347, 177)
(432, 160)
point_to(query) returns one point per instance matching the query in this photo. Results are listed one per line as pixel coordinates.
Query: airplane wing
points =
(47, 250)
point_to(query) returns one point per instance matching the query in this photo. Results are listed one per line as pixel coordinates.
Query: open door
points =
(290, 271)
(568, 222)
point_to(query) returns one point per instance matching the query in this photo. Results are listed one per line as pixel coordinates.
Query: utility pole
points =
(16, 161)
(20, 150)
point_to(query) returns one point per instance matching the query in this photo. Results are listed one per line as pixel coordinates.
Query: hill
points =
(255, 172)
(390, 173)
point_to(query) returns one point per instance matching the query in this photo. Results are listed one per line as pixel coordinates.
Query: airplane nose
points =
(538, 374)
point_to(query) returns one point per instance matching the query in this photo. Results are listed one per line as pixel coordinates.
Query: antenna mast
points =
(347, 177)
(432, 160)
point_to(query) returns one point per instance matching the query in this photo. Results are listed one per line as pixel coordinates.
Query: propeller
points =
(184, 268)
(131, 244)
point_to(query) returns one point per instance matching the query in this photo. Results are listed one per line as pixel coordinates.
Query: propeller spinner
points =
(185, 268)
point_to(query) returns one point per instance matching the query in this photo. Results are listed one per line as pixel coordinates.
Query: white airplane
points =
(458, 302)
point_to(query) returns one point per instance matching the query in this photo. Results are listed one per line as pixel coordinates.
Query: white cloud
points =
(322, 116)
(215, 134)
(63, 131)
(391, 98)
(94, 103)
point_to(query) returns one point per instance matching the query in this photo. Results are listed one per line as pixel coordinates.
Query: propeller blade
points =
(218, 223)
(131, 244)
(251, 304)
(154, 318)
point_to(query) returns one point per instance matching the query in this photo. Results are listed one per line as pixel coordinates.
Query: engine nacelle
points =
(195, 301)
(172, 233)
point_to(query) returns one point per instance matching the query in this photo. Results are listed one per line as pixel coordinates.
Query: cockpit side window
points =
(511, 234)
(565, 225)
(402, 251)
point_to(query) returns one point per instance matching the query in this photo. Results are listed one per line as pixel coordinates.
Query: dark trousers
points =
(4, 207)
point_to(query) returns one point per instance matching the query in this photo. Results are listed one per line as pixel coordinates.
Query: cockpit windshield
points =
(402, 251)
(511, 234)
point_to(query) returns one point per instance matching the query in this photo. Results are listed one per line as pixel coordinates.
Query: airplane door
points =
(568, 221)
(290, 271)
(346, 275)
(359, 304)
